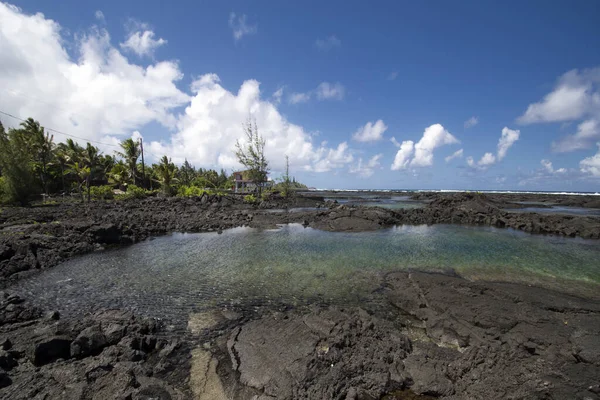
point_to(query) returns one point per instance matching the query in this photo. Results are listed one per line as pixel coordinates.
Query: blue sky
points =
(421, 68)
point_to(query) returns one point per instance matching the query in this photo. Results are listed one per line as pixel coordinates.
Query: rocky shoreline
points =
(432, 336)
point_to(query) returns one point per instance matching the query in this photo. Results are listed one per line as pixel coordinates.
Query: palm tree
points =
(166, 171)
(74, 150)
(119, 174)
(131, 152)
(41, 148)
(62, 159)
(81, 174)
(91, 158)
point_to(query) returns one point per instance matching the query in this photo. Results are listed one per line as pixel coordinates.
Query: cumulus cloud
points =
(576, 96)
(142, 42)
(367, 169)
(85, 95)
(328, 43)
(325, 91)
(588, 132)
(548, 167)
(212, 123)
(591, 165)
(240, 27)
(456, 154)
(507, 139)
(471, 122)
(329, 159)
(371, 132)
(101, 95)
(402, 159)
(421, 153)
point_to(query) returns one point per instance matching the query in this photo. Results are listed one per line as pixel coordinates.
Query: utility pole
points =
(143, 165)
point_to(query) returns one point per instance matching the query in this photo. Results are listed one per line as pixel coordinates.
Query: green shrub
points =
(102, 192)
(250, 198)
(190, 191)
(133, 192)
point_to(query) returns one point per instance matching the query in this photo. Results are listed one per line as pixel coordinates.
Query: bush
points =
(133, 192)
(190, 191)
(266, 195)
(250, 198)
(102, 192)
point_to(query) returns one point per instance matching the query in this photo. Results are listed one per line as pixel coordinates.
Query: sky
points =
(488, 95)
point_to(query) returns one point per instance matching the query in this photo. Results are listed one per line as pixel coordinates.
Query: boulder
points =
(90, 341)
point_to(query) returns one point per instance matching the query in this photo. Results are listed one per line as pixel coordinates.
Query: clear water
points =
(173, 275)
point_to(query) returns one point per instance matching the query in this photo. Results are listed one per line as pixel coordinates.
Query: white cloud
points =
(368, 169)
(102, 94)
(487, 159)
(277, 95)
(329, 159)
(588, 132)
(329, 91)
(96, 93)
(296, 98)
(591, 165)
(328, 43)
(471, 122)
(547, 164)
(142, 42)
(507, 139)
(100, 16)
(402, 159)
(456, 154)
(392, 76)
(212, 123)
(576, 96)
(240, 27)
(325, 91)
(434, 136)
(371, 132)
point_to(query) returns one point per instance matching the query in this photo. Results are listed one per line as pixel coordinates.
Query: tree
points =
(251, 155)
(40, 146)
(119, 174)
(15, 163)
(166, 172)
(81, 174)
(285, 180)
(91, 160)
(187, 173)
(131, 152)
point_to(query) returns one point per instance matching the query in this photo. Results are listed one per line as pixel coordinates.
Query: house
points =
(243, 183)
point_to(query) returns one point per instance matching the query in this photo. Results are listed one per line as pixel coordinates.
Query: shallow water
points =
(173, 275)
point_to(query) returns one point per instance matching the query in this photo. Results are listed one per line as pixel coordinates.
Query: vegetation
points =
(33, 166)
(252, 156)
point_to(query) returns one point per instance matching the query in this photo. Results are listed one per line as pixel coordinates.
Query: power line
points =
(73, 136)
(62, 133)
